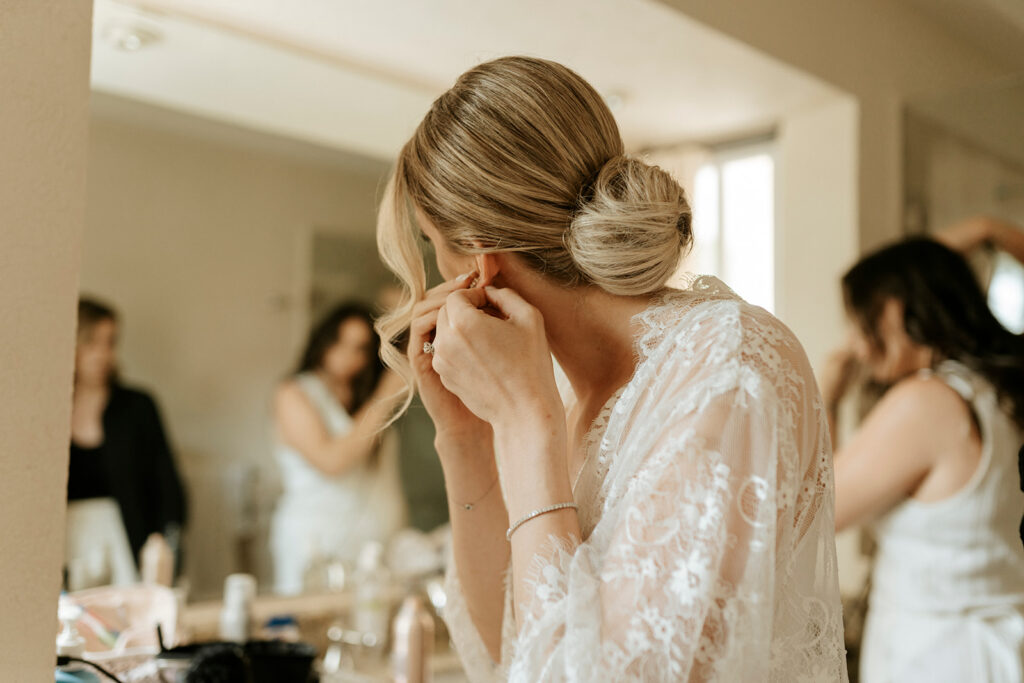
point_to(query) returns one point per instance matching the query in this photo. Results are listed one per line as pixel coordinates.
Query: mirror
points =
(965, 158)
(236, 156)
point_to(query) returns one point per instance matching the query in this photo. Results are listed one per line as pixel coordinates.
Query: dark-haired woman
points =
(123, 486)
(340, 475)
(934, 467)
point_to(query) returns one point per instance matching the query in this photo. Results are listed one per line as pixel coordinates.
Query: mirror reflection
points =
(236, 469)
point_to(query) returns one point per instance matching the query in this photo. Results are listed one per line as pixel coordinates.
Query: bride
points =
(666, 514)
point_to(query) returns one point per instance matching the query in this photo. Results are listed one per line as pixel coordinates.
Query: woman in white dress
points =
(338, 469)
(670, 517)
(934, 469)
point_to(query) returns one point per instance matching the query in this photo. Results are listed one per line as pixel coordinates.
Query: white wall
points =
(816, 241)
(816, 232)
(44, 69)
(197, 244)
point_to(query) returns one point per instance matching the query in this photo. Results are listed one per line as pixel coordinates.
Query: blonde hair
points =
(523, 155)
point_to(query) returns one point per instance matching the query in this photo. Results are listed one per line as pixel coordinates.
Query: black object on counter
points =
(258, 661)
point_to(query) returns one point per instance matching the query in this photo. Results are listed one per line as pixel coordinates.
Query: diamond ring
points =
(428, 348)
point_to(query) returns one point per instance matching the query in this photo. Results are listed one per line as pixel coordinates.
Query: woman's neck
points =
(591, 334)
(90, 387)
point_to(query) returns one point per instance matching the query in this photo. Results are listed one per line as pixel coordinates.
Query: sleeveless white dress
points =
(320, 516)
(947, 598)
(706, 507)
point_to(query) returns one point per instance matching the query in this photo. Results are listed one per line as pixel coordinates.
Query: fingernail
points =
(463, 277)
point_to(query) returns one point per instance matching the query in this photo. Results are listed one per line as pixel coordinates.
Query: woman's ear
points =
(488, 266)
(892, 320)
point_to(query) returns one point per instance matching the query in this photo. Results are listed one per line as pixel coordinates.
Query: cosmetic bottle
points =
(372, 585)
(71, 644)
(236, 614)
(412, 642)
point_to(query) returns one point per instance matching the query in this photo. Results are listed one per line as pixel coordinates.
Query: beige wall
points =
(202, 247)
(816, 231)
(44, 69)
(883, 52)
(816, 241)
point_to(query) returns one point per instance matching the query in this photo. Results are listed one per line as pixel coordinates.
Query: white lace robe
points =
(706, 507)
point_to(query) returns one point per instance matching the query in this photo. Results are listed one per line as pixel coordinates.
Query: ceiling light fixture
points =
(130, 37)
(615, 100)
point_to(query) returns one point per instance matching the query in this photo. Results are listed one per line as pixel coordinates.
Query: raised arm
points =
(301, 427)
(475, 611)
(973, 232)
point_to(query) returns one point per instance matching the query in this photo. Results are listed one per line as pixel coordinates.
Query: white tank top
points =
(962, 553)
(366, 491)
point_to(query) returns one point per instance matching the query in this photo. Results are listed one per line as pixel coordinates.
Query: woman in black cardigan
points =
(120, 462)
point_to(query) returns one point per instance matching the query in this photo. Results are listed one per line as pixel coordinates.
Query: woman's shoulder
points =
(305, 392)
(295, 390)
(928, 395)
(707, 317)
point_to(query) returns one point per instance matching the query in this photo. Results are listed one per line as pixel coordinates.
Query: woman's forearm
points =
(537, 478)
(344, 452)
(1007, 237)
(479, 547)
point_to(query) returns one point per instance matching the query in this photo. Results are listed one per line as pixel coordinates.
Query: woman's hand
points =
(966, 235)
(452, 420)
(491, 351)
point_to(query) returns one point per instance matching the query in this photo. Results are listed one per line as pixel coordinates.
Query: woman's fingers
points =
(461, 302)
(424, 314)
(436, 296)
(442, 327)
(420, 331)
(509, 303)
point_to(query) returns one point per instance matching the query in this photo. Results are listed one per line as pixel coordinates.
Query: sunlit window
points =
(734, 222)
(1006, 293)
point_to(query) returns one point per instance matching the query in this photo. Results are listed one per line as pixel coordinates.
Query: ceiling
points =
(995, 27)
(358, 75)
(990, 116)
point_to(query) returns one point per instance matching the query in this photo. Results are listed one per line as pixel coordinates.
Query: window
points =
(1006, 293)
(734, 221)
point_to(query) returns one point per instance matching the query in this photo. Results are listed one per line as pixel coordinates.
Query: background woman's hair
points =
(324, 335)
(944, 309)
(523, 155)
(92, 312)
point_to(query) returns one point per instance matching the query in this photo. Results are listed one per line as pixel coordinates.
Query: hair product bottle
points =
(412, 639)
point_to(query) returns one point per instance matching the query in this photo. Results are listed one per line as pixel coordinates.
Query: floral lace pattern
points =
(706, 506)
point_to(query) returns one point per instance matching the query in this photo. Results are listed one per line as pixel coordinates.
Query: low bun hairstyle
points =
(523, 155)
(631, 228)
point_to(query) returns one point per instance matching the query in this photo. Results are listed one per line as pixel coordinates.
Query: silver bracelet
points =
(538, 513)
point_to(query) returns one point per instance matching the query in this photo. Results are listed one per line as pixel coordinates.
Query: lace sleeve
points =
(711, 561)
